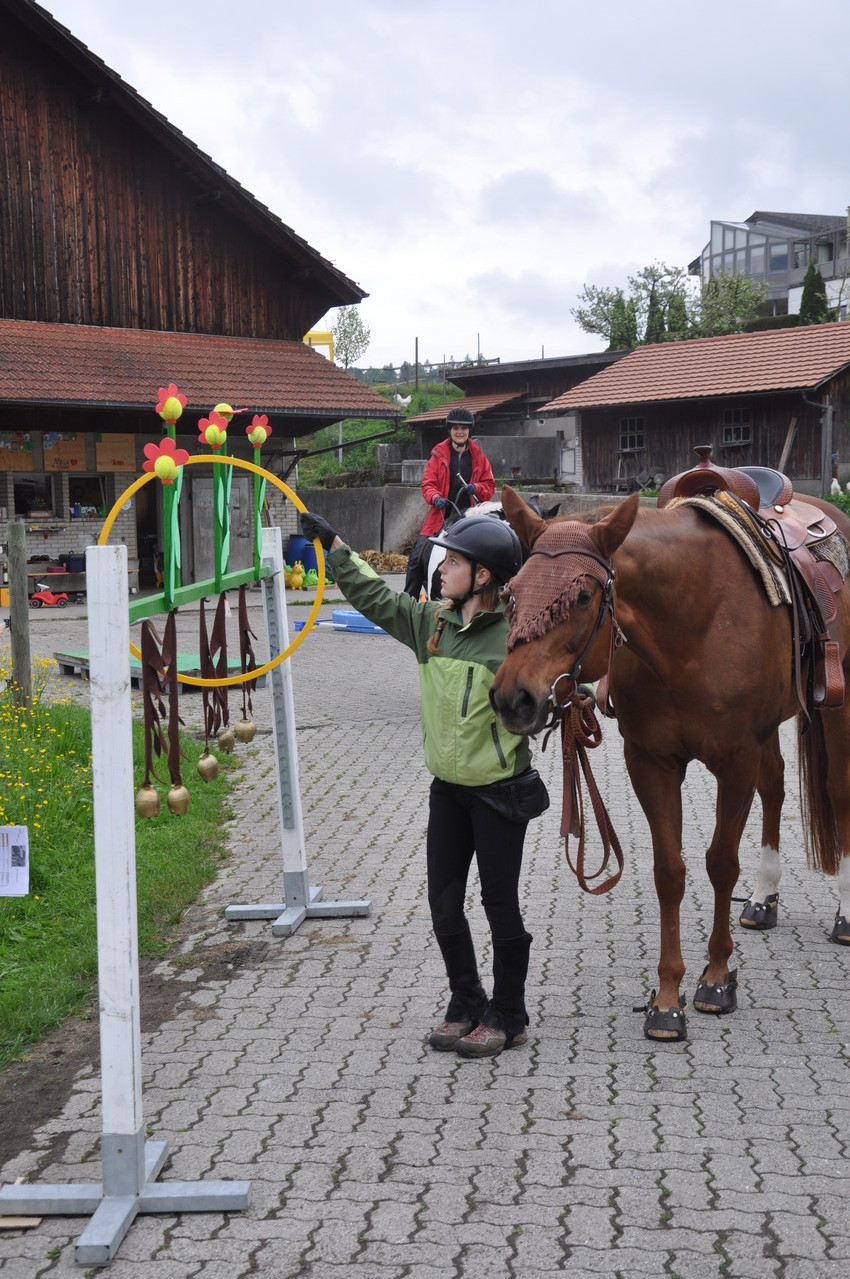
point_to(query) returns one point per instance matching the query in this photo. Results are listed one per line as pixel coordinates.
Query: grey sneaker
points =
(445, 1036)
(485, 1041)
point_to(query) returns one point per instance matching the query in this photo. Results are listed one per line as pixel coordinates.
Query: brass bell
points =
(177, 800)
(226, 740)
(208, 767)
(147, 801)
(246, 730)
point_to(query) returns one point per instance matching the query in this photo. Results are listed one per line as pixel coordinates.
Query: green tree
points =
(623, 334)
(655, 330)
(351, 336)
(814, 305)
(678, 320)
(666, 304)
(727, 304)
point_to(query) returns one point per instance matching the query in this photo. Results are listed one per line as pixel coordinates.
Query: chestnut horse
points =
(701, 670)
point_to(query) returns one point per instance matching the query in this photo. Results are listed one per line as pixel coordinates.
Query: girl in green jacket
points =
(483, 790)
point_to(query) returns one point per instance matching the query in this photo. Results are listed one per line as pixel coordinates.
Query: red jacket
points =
(437, 479)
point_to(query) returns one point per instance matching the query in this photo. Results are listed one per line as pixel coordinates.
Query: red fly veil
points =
(546, 597)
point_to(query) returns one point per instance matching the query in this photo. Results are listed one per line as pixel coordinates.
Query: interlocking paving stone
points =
(590, 1151)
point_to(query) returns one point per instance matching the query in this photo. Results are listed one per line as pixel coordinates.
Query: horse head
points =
(559, 606)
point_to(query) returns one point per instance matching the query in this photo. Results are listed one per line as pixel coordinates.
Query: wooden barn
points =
(128, 260)
(777, 398)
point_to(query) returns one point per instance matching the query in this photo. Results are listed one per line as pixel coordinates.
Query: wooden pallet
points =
(75, 663)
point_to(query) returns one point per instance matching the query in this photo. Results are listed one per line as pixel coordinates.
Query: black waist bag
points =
(517, 799)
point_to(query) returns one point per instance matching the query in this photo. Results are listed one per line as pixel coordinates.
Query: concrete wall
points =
(389, 518)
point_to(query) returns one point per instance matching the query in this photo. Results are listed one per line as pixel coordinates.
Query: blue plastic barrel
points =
(298, 548)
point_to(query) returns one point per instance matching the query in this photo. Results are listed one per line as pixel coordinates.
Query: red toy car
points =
(43, 597)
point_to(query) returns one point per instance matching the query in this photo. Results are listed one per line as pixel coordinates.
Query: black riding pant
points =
(460, 827)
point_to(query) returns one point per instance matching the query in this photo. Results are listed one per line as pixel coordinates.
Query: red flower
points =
(165, 459)
(212, 430)
(259, 430)
(170, 404)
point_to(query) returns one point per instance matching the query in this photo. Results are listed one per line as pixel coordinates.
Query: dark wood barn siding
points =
(100, 224)
(672, 432)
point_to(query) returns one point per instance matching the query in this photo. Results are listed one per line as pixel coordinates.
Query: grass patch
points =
(48, 940)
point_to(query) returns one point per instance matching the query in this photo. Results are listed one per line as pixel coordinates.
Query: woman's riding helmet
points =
(460, 417)
(485, 540)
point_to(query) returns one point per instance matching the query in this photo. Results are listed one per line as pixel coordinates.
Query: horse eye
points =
(584, 598)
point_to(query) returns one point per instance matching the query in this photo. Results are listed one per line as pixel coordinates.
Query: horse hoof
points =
(761, 915)
(713, 998)
(666, 1024)
(841, 931)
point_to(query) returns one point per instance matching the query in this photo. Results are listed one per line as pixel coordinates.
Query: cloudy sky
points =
(471, 164)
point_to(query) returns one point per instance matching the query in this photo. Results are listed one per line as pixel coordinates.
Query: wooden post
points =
(19, 618)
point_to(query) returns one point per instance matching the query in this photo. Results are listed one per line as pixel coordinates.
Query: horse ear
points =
(521, 518)
(612, 531)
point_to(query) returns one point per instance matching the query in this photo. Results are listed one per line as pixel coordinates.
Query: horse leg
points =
(762, 909)
(736, 785)
(658, 786)
(835, 725)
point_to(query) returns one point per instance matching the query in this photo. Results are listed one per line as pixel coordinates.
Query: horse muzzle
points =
(520, 709)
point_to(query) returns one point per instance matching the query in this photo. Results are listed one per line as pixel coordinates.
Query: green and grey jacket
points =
(463, 741)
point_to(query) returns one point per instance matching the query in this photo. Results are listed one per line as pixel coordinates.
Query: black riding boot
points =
(505, 1019)
(468, 1000)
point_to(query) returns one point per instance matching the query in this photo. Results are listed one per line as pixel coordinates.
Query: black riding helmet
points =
(460, 417)
(485, 540)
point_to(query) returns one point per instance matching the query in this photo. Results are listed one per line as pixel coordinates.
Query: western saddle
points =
(789, 530)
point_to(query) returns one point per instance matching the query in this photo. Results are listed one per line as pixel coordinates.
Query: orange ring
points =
(320, 560)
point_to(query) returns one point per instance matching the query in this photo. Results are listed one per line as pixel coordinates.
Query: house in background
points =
(775, 249)
(129, 259)
(506, 400)
(779, 398)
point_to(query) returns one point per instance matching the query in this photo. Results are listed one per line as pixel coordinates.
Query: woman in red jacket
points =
(457, 473)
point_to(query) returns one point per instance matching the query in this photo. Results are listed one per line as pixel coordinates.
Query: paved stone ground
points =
(590, 1151)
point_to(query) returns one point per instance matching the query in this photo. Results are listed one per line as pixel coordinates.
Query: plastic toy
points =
(297, 576)
(44, 597)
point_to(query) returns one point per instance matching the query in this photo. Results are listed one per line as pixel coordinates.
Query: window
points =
(779, 256)
(757, 260)
(631, 434)
(737, 428)
(33, 495)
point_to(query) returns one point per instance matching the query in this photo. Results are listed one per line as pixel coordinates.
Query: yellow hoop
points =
(320, 560)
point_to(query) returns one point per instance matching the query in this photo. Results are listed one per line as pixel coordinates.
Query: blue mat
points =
(346, 619)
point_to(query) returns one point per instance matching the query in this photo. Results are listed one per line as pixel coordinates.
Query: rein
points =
(580, 732)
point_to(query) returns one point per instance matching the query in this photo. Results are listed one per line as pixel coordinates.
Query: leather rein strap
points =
(580, 732)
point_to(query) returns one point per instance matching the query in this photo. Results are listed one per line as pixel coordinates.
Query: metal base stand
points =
(301, 903)
(301, 900)
(115, 1204)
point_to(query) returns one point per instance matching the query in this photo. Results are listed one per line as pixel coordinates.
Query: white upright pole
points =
(115, 865)
(301, 901)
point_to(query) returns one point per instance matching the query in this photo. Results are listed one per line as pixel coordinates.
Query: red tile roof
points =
(75, 365)
(475, 403)
(739, 364)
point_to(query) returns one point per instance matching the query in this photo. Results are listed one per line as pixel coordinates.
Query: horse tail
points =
(820, 829)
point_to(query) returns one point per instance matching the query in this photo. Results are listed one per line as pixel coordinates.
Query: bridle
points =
(606, 608)
(579, 726)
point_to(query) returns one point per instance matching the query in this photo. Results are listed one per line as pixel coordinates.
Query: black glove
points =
(313, 526)
(441, 503)
(469, 490)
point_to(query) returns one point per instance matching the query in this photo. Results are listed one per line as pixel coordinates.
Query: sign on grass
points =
(14, 861)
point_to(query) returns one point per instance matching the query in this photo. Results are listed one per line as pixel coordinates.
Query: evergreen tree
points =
(655, 327)
(814, 306)
(623, 324)
(678, 321)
